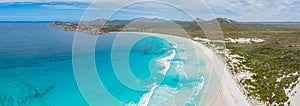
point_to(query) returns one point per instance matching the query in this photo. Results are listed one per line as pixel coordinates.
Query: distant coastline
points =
(26, 21)
(142, 24)
(90, 29)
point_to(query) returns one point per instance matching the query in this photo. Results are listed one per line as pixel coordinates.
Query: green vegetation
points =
(270, 64)
(275, 63)
(276, 58)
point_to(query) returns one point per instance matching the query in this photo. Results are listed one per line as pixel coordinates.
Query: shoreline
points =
(220, 80)
(295, 100)
(229, 93)
(145, 99)
(224, 88)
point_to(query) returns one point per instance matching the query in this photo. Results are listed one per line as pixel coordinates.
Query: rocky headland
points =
(81, 27)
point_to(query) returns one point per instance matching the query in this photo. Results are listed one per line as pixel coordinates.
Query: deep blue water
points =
(39, 56)
(36, 67)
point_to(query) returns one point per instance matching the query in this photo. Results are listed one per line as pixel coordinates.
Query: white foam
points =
(144, 101)
(166, 62)
(162, 94)
(179, 69)
(196, 92)
(146, 97)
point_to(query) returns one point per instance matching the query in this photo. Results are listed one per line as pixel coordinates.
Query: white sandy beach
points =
(222, 89)
(295, 100)
(228, 93)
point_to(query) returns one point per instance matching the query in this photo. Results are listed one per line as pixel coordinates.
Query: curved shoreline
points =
(228, 92)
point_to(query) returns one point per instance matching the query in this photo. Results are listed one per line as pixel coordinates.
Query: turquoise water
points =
(36, 68)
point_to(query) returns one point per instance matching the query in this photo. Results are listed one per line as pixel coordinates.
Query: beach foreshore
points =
(295, 100)
(222, 89)
(228, 92)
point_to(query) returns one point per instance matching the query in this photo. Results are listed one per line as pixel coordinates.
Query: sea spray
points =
(192, 99)
(146, 97)
(166, 62)
(162, 94)
(144, 101)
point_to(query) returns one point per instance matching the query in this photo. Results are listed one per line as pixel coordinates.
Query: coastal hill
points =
(225, 21)
(199, 20)
(143, 19)
(138, 24)
(75, 26)
(142, 24)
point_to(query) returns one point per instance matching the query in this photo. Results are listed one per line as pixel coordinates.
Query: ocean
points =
(36, 68)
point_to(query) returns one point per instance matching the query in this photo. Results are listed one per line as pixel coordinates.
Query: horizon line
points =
(12, 21)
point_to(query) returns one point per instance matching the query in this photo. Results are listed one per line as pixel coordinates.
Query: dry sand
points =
(228, 93)
(222, 90)
(295, 100)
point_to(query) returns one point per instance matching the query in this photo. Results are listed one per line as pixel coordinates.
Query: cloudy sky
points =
(67, 10)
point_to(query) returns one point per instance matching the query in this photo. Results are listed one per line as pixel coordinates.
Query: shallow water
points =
(36, 68)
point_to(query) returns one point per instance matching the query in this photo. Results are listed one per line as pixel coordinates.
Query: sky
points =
(69, 10)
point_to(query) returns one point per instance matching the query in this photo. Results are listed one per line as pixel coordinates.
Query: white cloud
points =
(242, 10)
(9, 1)
(259, 10)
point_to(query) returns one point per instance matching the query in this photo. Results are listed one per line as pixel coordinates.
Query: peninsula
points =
(75, 26)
